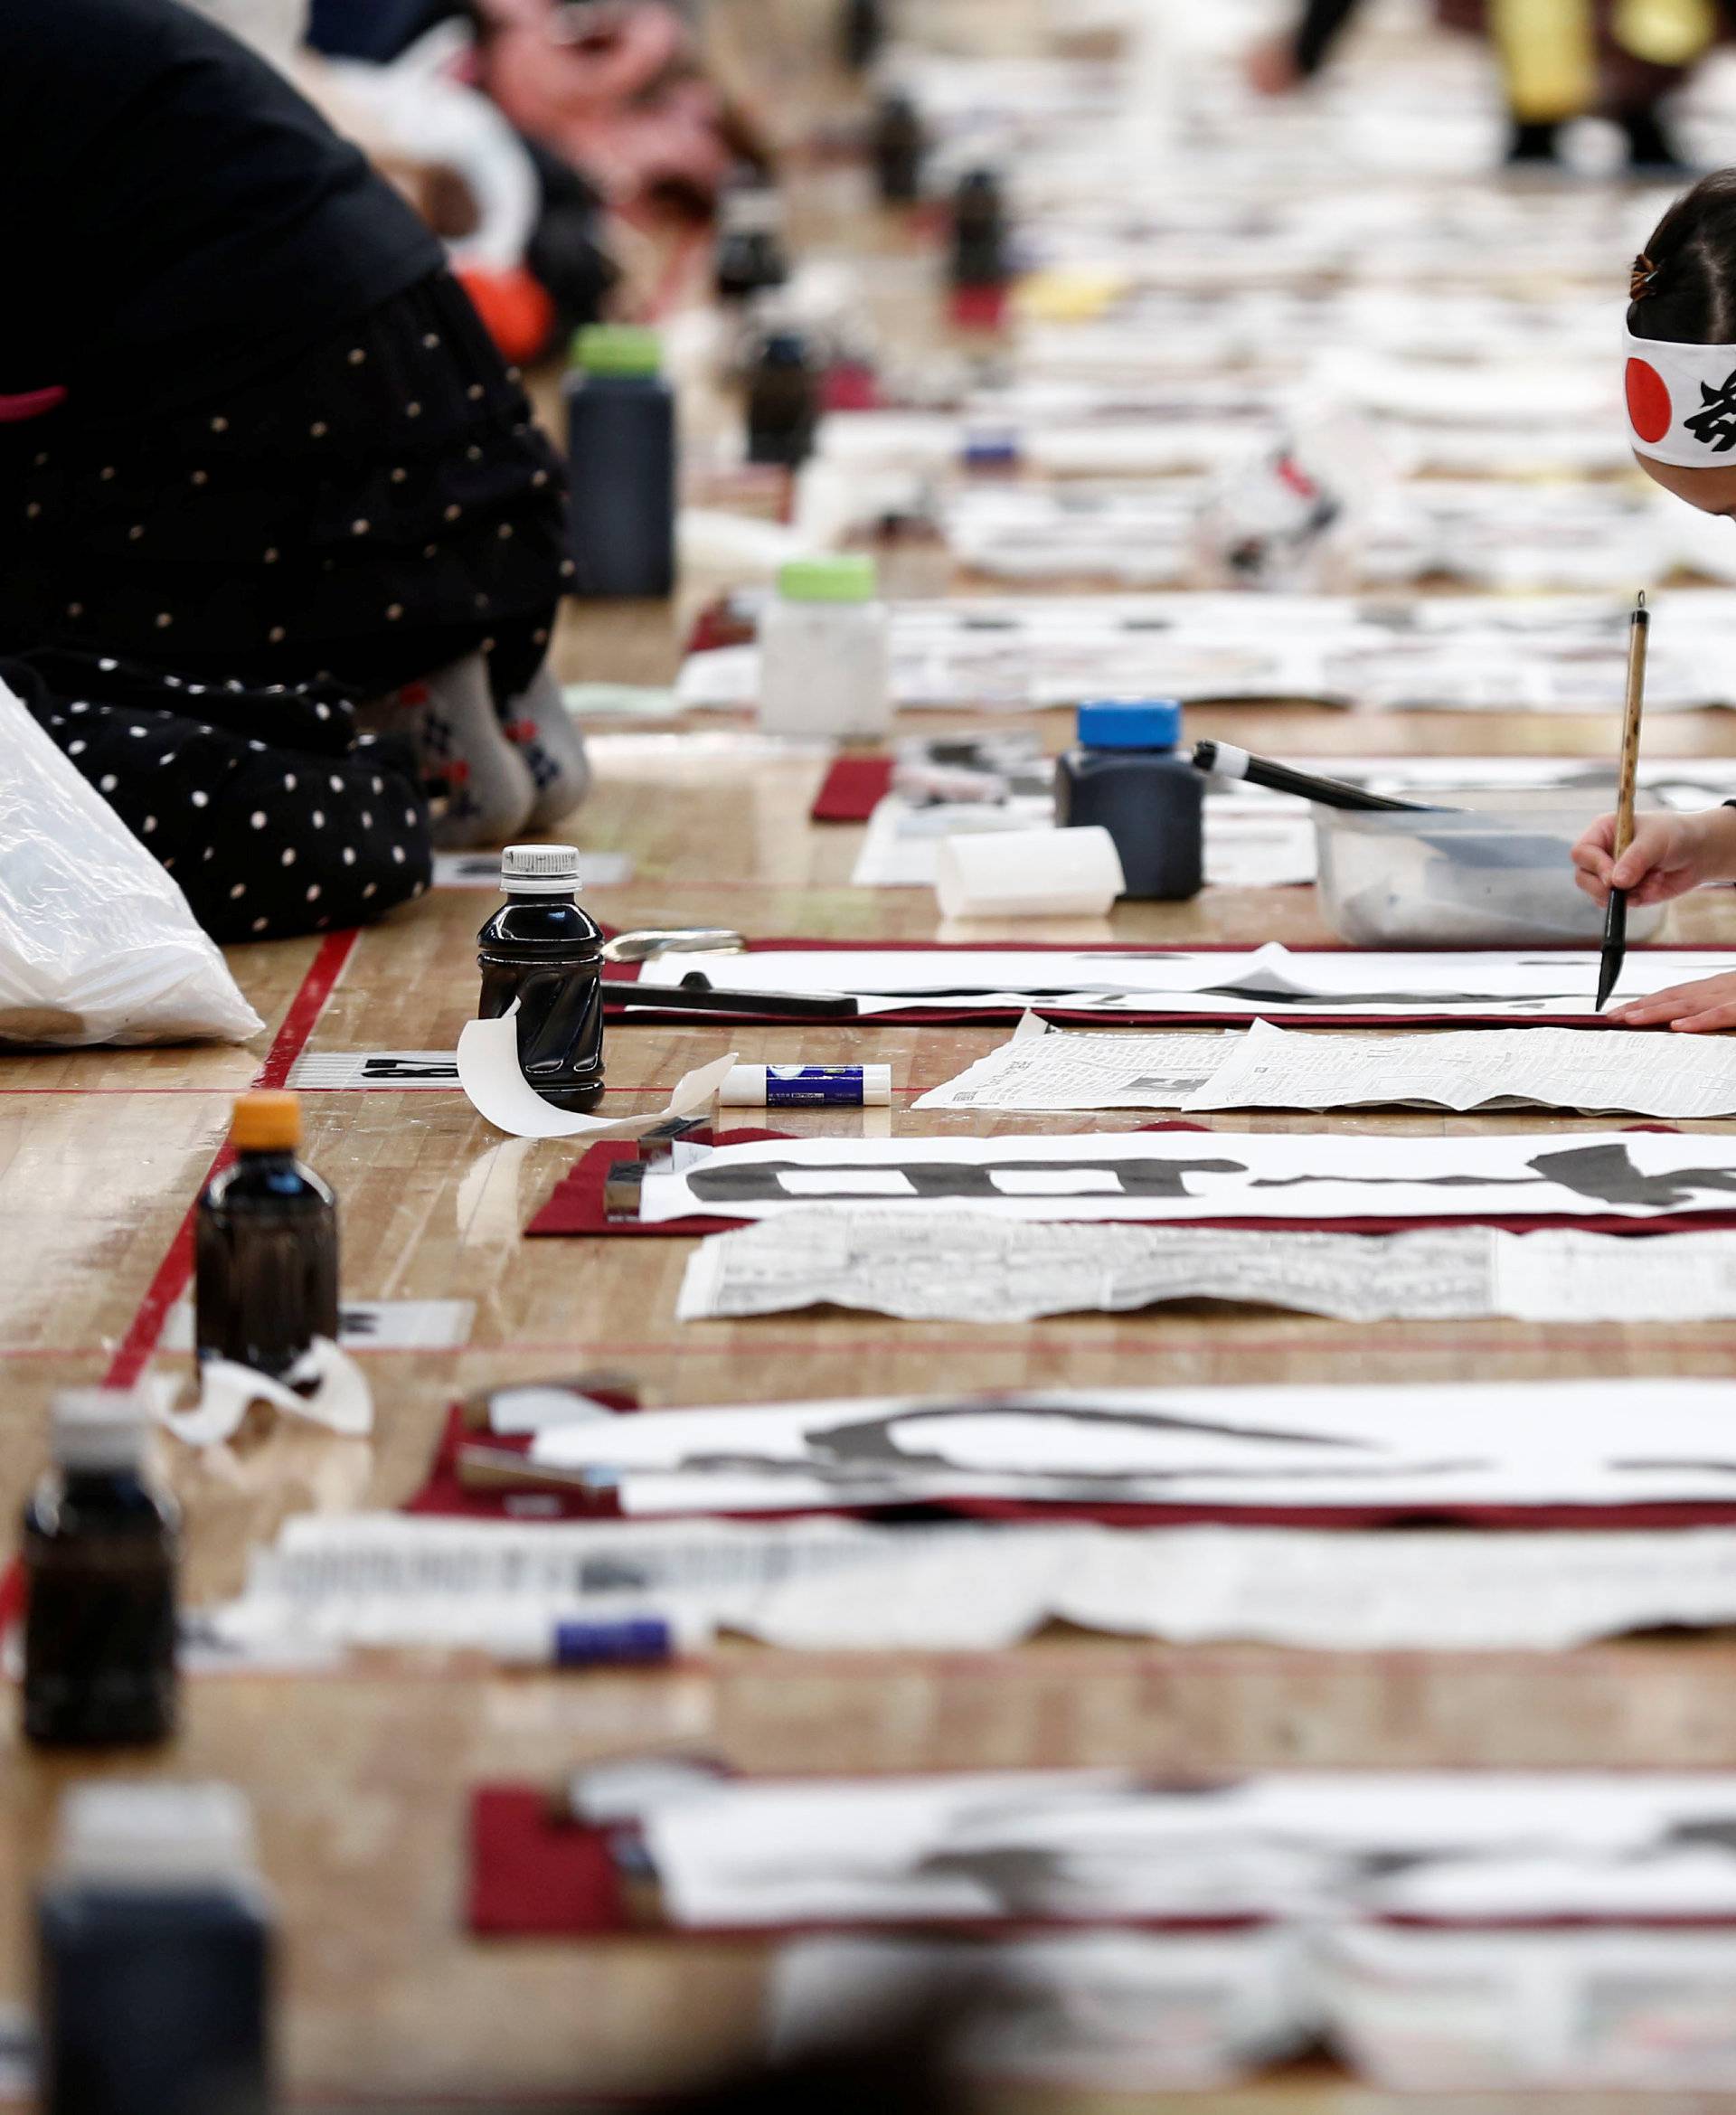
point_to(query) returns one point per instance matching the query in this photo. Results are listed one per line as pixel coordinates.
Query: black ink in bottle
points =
(155, 1955)
(100, 1550)
(264, 1245)
(541, 949)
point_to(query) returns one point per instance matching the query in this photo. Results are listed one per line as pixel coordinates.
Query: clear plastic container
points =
(1494, 874)
(825, 656)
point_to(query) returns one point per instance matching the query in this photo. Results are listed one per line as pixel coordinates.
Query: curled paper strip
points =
(340, 1398)
(490, 1074)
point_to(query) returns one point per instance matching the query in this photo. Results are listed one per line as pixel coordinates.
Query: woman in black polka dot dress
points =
(260, 466)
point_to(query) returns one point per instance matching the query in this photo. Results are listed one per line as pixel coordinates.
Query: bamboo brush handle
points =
(1638, 633)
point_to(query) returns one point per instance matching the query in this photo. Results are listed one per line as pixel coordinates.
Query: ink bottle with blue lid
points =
(1129, 774)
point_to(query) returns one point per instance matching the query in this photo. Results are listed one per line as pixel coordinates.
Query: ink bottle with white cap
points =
(264, 1245)
(543, 952)
(1129, 775)
(101, 1552)
(155, 1948)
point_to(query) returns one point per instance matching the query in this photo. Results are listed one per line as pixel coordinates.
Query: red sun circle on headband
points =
(1648, 401)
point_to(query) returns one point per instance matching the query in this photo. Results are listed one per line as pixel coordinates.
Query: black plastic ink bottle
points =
(264, 1245)
(543, 950)
(896, 149)
(1129, 774)
(621, 451)
(979, 231)
(100, 1548)
(750, 257)
(864, 33)
(783, 400)
(155, 1955)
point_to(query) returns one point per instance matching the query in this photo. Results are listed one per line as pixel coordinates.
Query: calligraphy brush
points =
(1225, 761)
(1615, 920)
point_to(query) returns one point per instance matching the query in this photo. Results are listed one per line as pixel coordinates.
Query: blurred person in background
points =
(259, 461)
(1560, 60)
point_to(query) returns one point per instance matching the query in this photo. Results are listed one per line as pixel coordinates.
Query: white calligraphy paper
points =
(1541, 1444)
(489, 1073)
(1462, 652)
(1183, 1174)
(1270, 982)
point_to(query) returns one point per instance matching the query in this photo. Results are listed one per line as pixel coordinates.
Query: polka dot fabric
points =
(297, 827)
(379, 509)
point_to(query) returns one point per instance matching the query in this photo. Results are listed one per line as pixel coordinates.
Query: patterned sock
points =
(553, 750)
(482, 789)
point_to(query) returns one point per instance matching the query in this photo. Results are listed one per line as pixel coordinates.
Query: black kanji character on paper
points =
(1715, 421)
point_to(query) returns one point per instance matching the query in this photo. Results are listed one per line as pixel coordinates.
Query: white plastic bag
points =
(96, 943)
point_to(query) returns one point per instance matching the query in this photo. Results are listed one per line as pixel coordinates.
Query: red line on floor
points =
(173, 1272)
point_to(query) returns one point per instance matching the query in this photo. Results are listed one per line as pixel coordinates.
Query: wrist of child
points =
(1715, 845)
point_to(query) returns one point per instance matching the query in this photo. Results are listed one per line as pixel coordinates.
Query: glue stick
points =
(808, 1087)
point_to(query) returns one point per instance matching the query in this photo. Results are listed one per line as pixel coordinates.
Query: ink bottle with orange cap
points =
(264, 1245)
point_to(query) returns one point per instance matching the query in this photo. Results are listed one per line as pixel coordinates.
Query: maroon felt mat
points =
(533, 1875)
(1154, 1016)
(443, 1495)
(852, 789)
(576, 1206)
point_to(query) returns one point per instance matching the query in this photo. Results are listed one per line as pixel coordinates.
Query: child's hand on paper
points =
(1669, 855)
(1695, 1009)
(1269, 66)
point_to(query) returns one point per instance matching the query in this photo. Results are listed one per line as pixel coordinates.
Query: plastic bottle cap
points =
(618, 348)
(755, 209)
(784, 348)
(1130, 723)
(98, 1429)
(146, 1834)
(267, 1121)
(847, 578)
(539, 869)
(990, 445)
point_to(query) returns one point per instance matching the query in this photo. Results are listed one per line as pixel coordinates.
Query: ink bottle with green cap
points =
(621, 464)
(155, 1948)
(542, 951)
(100, 1550)
(825, 659)
(264, 1245)
(1129, 775)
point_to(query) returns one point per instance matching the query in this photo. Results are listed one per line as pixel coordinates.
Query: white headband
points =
(1682, 402)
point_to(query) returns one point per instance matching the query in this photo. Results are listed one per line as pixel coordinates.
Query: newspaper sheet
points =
(967, 1266)
(1597, 1071)
(827, 1584)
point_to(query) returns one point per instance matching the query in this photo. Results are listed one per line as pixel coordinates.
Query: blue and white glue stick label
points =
(808, 1087)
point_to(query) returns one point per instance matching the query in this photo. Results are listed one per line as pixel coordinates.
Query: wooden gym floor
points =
(359, 1778)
